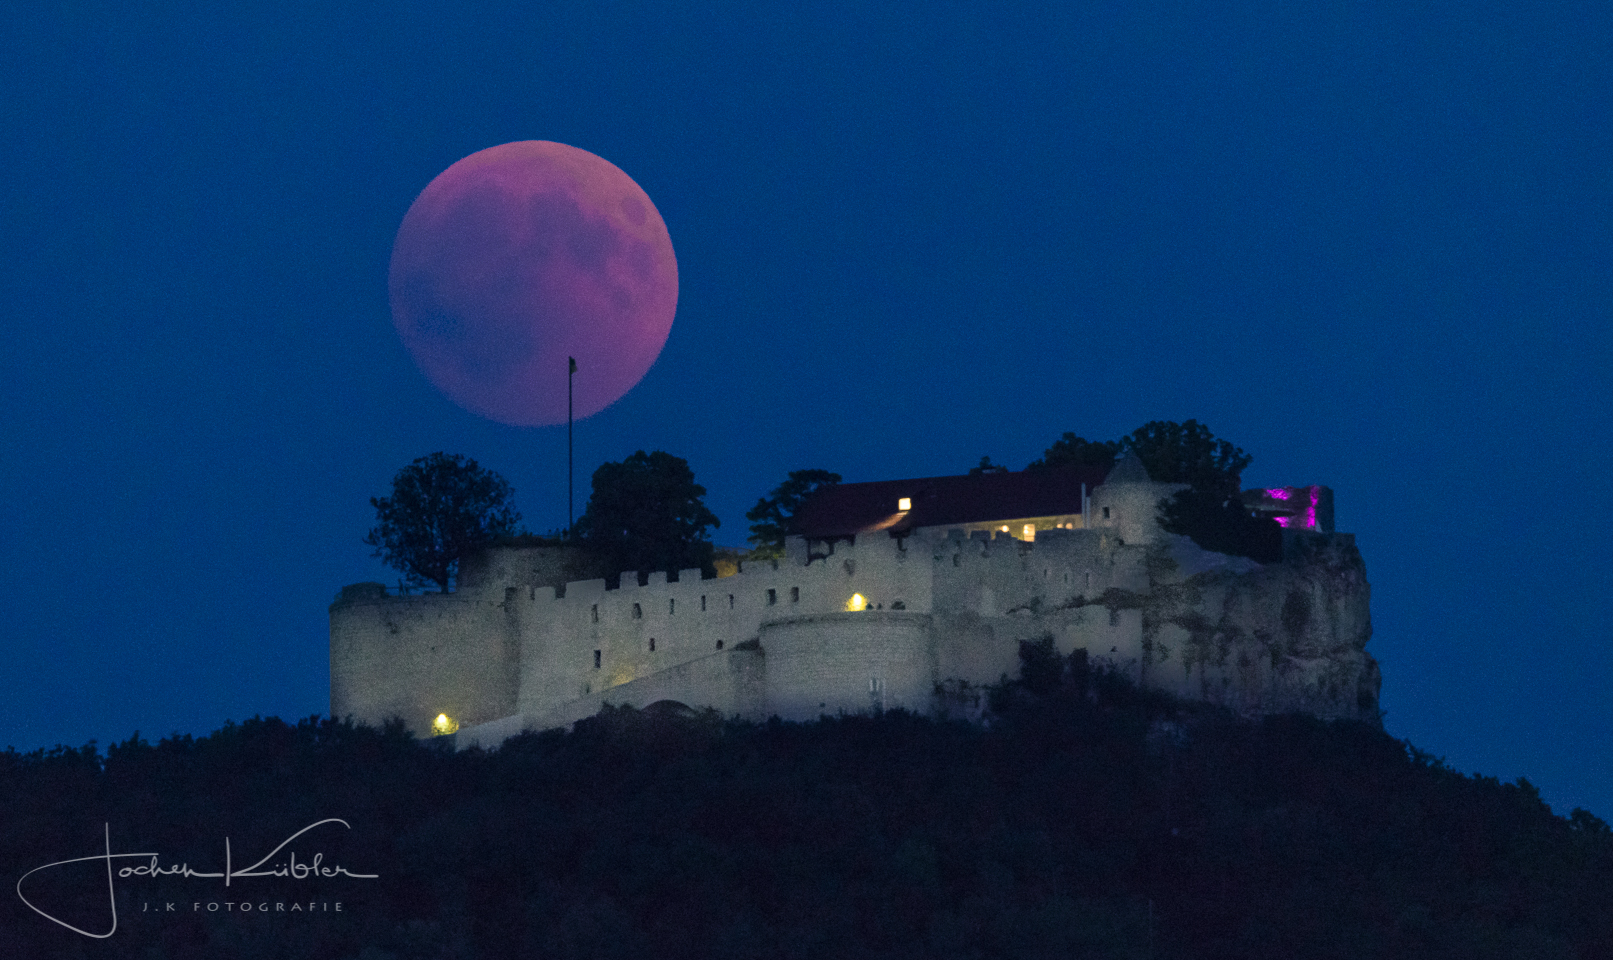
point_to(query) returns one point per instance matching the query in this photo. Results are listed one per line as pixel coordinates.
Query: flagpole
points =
(571, 501)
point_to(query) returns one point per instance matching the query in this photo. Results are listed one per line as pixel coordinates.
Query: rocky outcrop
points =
(1263, 639)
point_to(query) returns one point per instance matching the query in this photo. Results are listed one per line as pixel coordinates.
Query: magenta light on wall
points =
(1295, 508)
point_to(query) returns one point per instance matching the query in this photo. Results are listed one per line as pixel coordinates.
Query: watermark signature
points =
(153, 868)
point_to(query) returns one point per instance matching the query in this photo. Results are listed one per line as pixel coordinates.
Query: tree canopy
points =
(647, 513)
(1073, 451)
(1089, 818)
(1220, 523)
(1172, 453)
(774, 517)
(442, 508)
(1187, 453)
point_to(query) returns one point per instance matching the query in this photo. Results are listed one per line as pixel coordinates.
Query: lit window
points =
(857, 602)
(1030, 531)
(905, 503)
(443, 724)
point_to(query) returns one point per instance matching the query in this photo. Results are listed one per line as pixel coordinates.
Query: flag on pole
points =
(573, 364)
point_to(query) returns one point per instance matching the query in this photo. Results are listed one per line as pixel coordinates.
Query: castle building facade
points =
(903, 594)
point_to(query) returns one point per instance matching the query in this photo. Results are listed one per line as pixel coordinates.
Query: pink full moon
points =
(520, 256)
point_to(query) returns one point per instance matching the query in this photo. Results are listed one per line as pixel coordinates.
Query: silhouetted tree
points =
(442, 508)
(1073, 451)
(774, 517)
(647, 513)
(1187, 453)
(1587, 822)
(1221, 523)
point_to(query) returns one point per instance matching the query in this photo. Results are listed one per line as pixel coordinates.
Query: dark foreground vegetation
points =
(1087, 819)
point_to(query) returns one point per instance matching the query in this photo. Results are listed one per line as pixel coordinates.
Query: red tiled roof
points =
(850, 508)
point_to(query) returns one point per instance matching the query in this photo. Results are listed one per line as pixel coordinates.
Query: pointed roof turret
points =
(1128, 469)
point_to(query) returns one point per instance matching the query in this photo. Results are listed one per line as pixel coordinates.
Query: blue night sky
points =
(1369, 243)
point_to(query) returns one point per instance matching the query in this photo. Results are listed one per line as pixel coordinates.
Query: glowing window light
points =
(905, 503)
(1030, 531)
(857, 602)
(443, 724)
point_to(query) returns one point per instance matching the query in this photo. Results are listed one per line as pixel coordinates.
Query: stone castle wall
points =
(416, 657)
(510, 651)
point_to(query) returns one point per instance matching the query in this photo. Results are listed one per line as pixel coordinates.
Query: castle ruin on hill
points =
(909, 593)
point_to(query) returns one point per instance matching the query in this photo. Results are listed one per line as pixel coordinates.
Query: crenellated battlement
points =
(870, 621)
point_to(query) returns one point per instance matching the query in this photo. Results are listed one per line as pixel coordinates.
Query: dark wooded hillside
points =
(1085, 818)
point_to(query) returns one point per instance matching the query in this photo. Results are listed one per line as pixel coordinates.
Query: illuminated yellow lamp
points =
(857, 602)
(905, 503)
(443, 724)
(1005, 528)
(1030, 531)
